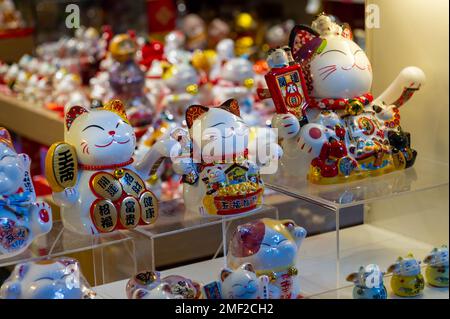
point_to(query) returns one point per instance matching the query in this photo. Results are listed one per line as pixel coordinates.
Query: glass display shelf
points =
(425, 174)
(60, 241)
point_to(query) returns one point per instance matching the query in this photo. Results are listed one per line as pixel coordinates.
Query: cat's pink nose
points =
(112, 132)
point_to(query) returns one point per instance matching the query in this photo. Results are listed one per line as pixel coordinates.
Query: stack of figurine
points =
(134, 114)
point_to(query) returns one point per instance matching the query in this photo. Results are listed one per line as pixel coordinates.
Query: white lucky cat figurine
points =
(22, 218)
(218, 178)
(346, 133)
(271, 246)
(93, 176)
(59, 278)
(243, 283)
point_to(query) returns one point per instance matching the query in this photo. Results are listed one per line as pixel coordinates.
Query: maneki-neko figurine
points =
(93, 176)
(218, 178)
(22, 217)
(271, 246)
(346, 132)
(127, 80)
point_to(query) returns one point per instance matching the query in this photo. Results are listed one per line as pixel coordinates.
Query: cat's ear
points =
(73, 113)
(5, 138)
(347, 31)
(249, 267)
(392, 268)
(225, 273)
(305, 42)
(231, 106)
(193, 112)
(116, 106)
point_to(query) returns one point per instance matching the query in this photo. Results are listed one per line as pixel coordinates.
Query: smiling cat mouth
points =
(113, 140)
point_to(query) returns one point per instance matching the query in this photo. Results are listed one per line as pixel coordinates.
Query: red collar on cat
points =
(339, 104)
(103, 167)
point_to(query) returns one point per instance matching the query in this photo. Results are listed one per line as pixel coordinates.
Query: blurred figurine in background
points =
(22, 217)
(436, 272)
(217, 31)
(127, 80)
(368, 283)
(10, 17)
(407, 279)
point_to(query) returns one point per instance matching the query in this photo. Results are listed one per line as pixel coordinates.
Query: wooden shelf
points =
(30, 120)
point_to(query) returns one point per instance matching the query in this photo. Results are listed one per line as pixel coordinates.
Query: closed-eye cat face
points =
(438, 256)
(217, 132)
(12, 167)
(337, 66)
(100, 136)
(408, 266)
(241, 283)
(50, 279)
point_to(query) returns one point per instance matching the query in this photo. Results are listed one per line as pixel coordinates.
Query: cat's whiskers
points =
(328, 66)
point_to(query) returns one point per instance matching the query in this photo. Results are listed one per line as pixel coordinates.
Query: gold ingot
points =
(130, 212)
(132, 184)
(61, 166)
(150, 208)
(106, 186)
(118, 173)
(104, 215)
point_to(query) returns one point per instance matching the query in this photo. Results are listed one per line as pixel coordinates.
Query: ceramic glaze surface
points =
(346, 133)
(407, 279)
(22, 217)
(47, 279)
(368, 283)
(93, 176)
(271, 246)
(436, 272)
(218, 178)
(243, 283)
(150, 285)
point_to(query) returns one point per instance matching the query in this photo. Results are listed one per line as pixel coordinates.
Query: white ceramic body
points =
(37, 216)
(50, 279)
(100, 137)
(275, 254)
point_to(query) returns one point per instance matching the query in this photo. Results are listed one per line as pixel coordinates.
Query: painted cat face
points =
(337, 67)
(12, 167)
(50, 279)
(100, 137)
(180, 76)
(241, 283)
(217, 132)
